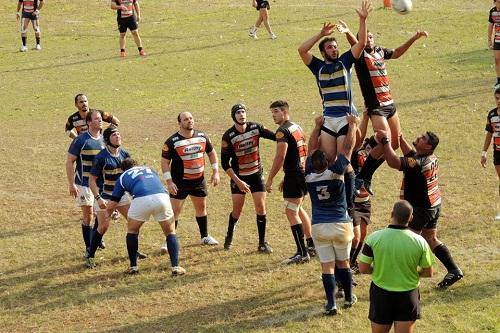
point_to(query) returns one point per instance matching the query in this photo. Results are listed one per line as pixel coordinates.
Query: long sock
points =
(139, 48)
(261, 227)
(354, 256)
(329, 285)
(230, 226)
(94, 242)
(369, 167)
(202, 225)
(176, 224)
(444, 255)
(498, 80)
(132, 246)
(298, 235)
(344, 275)
(310, 242)
(173, 249)
(351, 254)
(37, 40)
(349, 188)
(23, 39)
(86, 233)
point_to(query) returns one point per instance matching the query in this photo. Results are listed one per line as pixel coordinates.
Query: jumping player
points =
(262, 7)
(291, 152)
(493, 134)
(332, 228)
(494, 31)
(30, 13)
(240, 159)
(183, 167)
(128, 16)
(149, 198)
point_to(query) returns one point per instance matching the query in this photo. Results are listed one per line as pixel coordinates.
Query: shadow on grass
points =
(459, 292)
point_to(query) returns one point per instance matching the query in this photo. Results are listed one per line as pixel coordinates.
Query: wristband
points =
(215, 166)
(384, 141)
(97, 197)
(483, 153)
(167, 175)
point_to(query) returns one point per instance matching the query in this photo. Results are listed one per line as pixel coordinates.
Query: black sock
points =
(86, 233)
(444, 255)
(344, 275)
(132, 246)
(261, 227)
(230, 226)
(354, 256)
(122, 50)
(37, 40)
(176, 223)
(202, 225)
(23, 39)
(369, 167)
(94, 242)
(140, 48)
(96, 224)
(310, 242)
(349, 188)
(351, 254)
(298, 235)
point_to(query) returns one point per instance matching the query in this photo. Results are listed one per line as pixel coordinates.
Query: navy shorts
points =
(263, 4)
(29, 16)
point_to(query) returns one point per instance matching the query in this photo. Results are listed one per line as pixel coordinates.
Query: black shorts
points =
(385, 111)
(195, 189)
(425, 218)
(294, 185)
(362, 212)
(127, 23)
(263, 4)
(343, 131)
(255, 181)
(29, 16)
(496, 157)
(387, 307)
(496, 46)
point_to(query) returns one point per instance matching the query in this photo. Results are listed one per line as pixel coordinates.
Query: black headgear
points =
(236, 108)
(107, 134)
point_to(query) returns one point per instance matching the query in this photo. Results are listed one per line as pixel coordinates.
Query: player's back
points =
(141, 181)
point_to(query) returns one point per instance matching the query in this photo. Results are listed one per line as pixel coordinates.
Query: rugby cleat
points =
(228, 242)
(142, 53)
(330, 310)
(265, 248)
(23, 48)
(132, 270)
(90, 262)
(141, 255)
(102, 246)
(38, 47)
(178, 270)
(123, 54)
(450, 278)
(273, 36)
(164, 249)
(497, 217)
(353, 301)
(209, 240)
(296, 259)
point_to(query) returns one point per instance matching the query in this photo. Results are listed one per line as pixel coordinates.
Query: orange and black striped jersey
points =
(493, 126)
(240, 150)
(29, 6)
(187, 156)
(420, 181)
(130, 8)
(296, 153)
(494, 18)
(79, 123)
(373, 79)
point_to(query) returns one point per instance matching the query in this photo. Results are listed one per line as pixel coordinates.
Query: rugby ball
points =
(402, 6)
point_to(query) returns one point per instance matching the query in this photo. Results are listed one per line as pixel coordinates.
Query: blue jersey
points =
(327, 192)
(106, 167)
(139, 182)
(334, 83)
(85, 147)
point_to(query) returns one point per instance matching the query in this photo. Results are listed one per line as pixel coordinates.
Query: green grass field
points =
(201, 60)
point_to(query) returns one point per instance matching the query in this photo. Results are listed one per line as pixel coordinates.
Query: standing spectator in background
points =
(30, 13)
(262, 7)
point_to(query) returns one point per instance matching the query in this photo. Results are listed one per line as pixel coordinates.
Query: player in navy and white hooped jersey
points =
(149, 198)
(332, 228)
(81, 152)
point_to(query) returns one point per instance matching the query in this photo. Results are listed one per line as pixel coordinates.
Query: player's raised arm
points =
(305, 48)
(363, 12)
(403, 48)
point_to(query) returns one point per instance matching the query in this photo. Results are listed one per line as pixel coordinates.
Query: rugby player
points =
(263, 8)
(291, 152)
(494, 31)
(30, 13)
(128, 15)
(240, 159)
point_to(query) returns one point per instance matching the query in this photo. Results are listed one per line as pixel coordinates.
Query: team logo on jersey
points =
(245, 144)
(412, 162)
(280, 135)
(192, 149)
(165, 147)
(224, 144)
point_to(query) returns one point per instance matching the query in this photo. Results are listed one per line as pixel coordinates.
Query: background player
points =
(493, 134)
(240, 159)
(128, 14)
(183, 167)
(494, 31)
(30, 13)
(262, 7)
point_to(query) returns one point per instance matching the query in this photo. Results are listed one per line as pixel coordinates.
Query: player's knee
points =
(291, 207)
(24, 30)
(236, 213)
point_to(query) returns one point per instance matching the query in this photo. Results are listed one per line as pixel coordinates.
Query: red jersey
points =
(493, 126)
(295, 158)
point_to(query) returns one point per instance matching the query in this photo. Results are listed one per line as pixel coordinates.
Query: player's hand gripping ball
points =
(402, 6)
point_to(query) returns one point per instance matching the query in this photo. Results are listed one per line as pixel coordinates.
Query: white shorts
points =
(334, 125)
(157, 205)
(333, 240)
(86, 198)
(125, 200)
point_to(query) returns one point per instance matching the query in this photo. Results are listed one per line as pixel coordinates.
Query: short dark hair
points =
(88, 117)
(497, 91)
(319, 160)
(281, 104)
(321, 44)
(128, 163)
(433, 140)
(78, 96)
(401, 212)
(179, 117)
